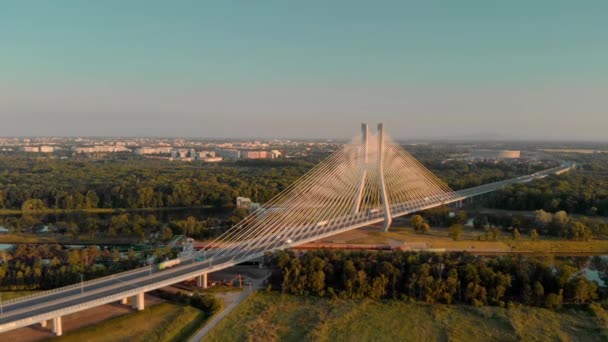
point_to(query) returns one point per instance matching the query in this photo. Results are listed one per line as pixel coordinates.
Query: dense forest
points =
(461, 175)
(40, 267)
(573, 193)
(31, 184)
(433, 278)
(540, 222)
(132, 226)
(35, 184)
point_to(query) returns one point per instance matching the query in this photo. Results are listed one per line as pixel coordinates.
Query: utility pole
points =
(81, 284)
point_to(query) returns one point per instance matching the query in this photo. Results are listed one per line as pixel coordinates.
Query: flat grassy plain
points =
(6, 295)
(162, 322)
(438, 238)
(271, 317)
(22, 238)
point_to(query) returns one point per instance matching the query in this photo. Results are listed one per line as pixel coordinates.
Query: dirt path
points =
(234, 299)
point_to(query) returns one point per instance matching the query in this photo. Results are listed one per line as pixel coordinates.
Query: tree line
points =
(37, 184)
(33, 184)
(124, 225)
(41, 267)
(573, 192)
(541, 222)
(431, 278)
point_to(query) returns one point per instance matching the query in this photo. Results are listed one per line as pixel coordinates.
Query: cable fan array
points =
(341, 193)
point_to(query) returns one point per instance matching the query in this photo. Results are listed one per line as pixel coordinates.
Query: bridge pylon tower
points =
(368, 171)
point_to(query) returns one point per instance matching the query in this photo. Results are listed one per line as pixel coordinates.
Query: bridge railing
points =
(75, 285)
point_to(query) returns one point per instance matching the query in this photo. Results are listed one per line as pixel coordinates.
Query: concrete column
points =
(57, 328)
(43, 324)
(201, 281)
(386, 208)
(124, 301)
(137, 301)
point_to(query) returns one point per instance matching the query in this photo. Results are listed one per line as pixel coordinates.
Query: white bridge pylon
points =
(371, 179)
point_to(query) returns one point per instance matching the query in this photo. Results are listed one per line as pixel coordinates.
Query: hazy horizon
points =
(432, 70)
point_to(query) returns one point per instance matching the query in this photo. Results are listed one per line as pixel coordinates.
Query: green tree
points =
(543, 218)
(578, 231)
(417, 221)
(481, 222)
(167, 234)
(455, 231)
(119, 224)
(533, 235)
(554, 301)
(516, 234)
(92, 200)
(33, 205)
(560, 219)
(495, 233)
(582, 290)
(238, 214)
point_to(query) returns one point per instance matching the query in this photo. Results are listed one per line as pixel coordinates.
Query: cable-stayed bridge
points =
(370, 180)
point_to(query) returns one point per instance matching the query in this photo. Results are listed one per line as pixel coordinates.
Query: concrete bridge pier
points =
(43, 324)
(201, 281)
(137, 301)
(57, 326)
(124, 301)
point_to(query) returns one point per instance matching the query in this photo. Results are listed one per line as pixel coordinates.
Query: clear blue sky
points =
(514, 69)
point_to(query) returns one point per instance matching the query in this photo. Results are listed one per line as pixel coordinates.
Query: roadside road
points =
(204, 330)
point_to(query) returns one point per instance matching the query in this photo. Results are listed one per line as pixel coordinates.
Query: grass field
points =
(19, 238)
(6, 295)
(162, 322)
(438, 238)
(271, 316)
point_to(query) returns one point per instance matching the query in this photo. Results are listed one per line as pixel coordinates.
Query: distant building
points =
(495, 154)
(47, 149)
(212, 159)
(31, 149)
(100, 149)
(252, 154)
(202, 155)
(154, 150)
(229, 153)
(243, 202)
(38, 149)
(275, 154)
(179, 153)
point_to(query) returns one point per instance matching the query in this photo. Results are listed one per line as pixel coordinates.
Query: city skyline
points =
(276, 70)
